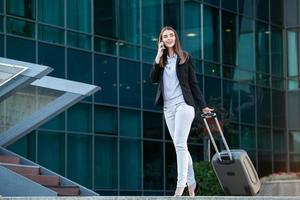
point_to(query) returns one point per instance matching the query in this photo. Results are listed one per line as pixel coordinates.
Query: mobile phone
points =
(161, 44)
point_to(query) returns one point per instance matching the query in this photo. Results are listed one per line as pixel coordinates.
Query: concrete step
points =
(44, 179)
(66, 190)
(9, 159)
(22, 169)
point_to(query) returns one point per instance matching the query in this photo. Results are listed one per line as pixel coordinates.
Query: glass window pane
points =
(172, 15)
(262, 47)
(21, 8)
(51, 12)
(129, 21)
(247, 103)
(212, 91)
(105, 16)
(106, 120)
(106, 162)
(79, 66)
(264, 159)
(294, 162)
(79, 15)
(292, 55)
(277, 52)
(1, 45)
(58, 64)
(80, 118)
(170, 166)
(276, 11)
(246, 39)
(153, 165)
(213, 2)
(51, 34)
(293, 114)
(106, 77)
(105, 46)
(148, 55)
(291, 12)
(262, 9)
(212, 69)
(263, 79)
(263, 103)
(130, 83)
(20, 27)
(151, 19)
(129, 51)
(211, 34)
(232, 135)
(246, 7)
(57, 123)
(1, 24)
(130, 123)
(264, 138)
(231, 99)
(280, 155)
(79, 40)
(152, 124)
(149, 89)
(294, 138)
(229, 38)
(1, 6)
(192, 35)
(80, 155)
(246, 76)
(54, 159)
(20, 49)
(130, 160)
(278, 110)
(230, 4)
(248, 137)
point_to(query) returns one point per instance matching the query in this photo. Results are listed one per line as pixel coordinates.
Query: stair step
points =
(66, 190)
(45, 180)
(9, 159)
(22, 169)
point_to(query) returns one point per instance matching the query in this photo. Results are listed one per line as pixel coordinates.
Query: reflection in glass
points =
(229, 38)
(248, 137)
(21, 8)
(263, 102)
(264, 159)
(294, 138)
(20, 49)
(51, 34)
(192, 35)
(231, 99)
(262, 9)
(276, 11)
(51, 12)
(230, 4)
(152, 124)
(262, 47)
(278, 111)
(263, 139)
(247, 103)
(149, 89)
(291, 12)
(211, 34)
(79, 15)
(246, 38)
(130, 123)
(106, 120)
(23, 104)
(246, 7)
(80, 118)
(279, 148)
(129, 51)
(212, 69)
(277, 52)
(292, 55)
(213, 2)
(79, 40)
(20, 27)
(151, 19)
(105, 46)
(293, 99)
(172, 15)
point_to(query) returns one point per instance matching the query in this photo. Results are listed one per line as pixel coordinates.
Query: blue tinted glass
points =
(80, 155)
(130, 123)
(276, 11)
(106, 162)
(51, 12)
(231, 99)
(79, 40)
(1, 45)
(106, 120)
(149, 55)
(20, 27)
(106, 77)
(20, 49)
(277, 52)
(262, 47)
(230, 5)
(79, 15)
(170, 166)
(129, 51)
(246, 39)
(211, 34)
(264, 138)
(172, 15)
(229, 38)
(1, 6)
(192, 36)
(57, 123)
(292, 52)
(248, 137)
(149, 89)
(213, 2)
(51, 34)
(291, 12)
(79, 66)
(130, 83)
(153, 165)
(21, 8)
(130, 160)
(58, 64)
(262, 9)
(247, 103)
(151, 19)
(263, 99)
(105, 46)
(211, 69)
(1, 24)
(129, 21)
(54, 159)
(212, 92)
(230, 73)
(152, 125)
(80, 118)
(246, 7)
(278, 111)
(105, 16)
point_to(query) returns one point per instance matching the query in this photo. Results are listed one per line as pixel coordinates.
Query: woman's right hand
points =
(160, 52)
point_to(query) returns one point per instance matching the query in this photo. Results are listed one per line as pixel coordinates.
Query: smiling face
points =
(169, 38)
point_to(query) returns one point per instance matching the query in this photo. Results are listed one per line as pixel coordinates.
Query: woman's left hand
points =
(207, 110)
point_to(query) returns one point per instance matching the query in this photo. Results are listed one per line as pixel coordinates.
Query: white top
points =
(172, 91)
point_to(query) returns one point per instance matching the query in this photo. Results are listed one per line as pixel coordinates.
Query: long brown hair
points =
(177, 47)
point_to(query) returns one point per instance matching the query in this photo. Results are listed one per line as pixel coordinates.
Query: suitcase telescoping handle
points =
(214, 115)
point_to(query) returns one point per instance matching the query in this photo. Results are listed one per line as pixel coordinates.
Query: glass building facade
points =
(246, 55)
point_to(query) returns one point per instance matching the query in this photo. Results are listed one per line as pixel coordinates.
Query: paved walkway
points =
(154, 198)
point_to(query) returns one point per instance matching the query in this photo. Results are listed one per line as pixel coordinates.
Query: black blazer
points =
(187, 80)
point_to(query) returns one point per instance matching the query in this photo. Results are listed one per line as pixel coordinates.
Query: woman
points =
(178, 93)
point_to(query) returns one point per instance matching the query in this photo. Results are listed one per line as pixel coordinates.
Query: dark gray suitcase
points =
(234, 169)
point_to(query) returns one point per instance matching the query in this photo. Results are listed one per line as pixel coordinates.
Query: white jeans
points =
(179, 118)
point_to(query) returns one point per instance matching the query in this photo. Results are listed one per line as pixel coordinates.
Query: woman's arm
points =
(155, 73)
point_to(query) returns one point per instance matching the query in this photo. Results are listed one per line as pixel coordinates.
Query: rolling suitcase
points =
(234, 169)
